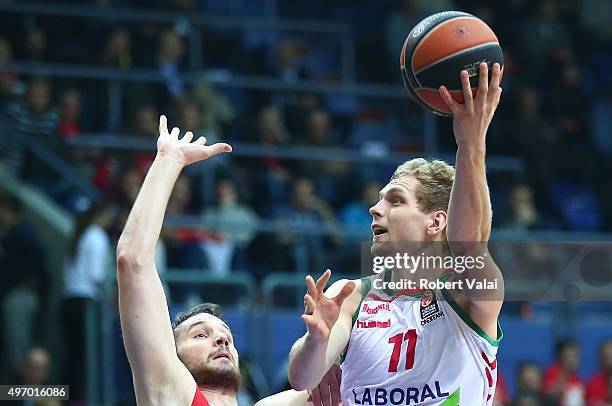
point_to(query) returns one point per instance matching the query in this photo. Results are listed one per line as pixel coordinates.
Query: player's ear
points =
(437, 222)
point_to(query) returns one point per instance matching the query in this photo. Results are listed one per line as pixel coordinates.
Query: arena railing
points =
(195, 21)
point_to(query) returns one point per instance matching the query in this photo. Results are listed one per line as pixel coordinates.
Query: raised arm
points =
(328, 321)
(159, 375)
(469, 211)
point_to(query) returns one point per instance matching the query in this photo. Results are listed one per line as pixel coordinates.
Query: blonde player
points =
(418, 346)
(194, 360)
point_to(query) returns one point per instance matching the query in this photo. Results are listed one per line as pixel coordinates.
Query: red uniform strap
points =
(199, 399)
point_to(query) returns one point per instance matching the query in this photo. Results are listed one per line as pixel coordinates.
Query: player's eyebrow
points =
(393, 189)
(203, 321)
(196, 324)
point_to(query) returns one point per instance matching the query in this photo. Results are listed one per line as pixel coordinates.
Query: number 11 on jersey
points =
(397, 341)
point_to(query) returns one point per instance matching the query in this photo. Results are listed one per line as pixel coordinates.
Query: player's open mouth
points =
(378, 230)
(223, 354)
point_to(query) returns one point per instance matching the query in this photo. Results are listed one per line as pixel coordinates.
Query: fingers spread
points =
(483, 84)
(324, 391)
(310, 321)
(187, 137)
(334, 386)
(323, 281)
(309, 304)
(218, 148)
(316, 396)
(312, 288)
(175, 133)
(467, 91)
(345, 292)
(200, 141)
(163, 125)
(448, 99)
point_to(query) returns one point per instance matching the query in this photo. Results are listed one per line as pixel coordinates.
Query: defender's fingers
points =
(448, 99)
(312, 287)
(334, 386)
(345, 292)
(310, 321)
(163, 125)
(175, 133)
(200, 141)
(309, 304)
(483, 83)
(218, 148)
(325, 393)
(187, 137)
(468, 101)
(323, 280)
(316, 396)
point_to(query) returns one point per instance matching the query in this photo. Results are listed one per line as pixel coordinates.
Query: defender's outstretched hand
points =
(472, 118)
(328, 391)
(183, 150)
(322, 312)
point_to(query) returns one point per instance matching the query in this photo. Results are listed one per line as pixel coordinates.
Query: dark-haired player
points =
(194, 361)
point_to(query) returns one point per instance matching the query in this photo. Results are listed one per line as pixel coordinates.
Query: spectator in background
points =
(356, 215)
(237, 223)
(69, 125)
(561, 383)
(36, 45)
(568, 106)
(543, 37)
(599, 387)
(34, 115)
(146, 122)
(23, 280)
(183, 244)
(529, 382)
(330, 174)
(169, 62)
(287, 65)
(541, 146)
(35, 367)
(86, 268)
(522, 213)
(8, 80)
(307, 211)
(215, 110)
(118, 50)
(271, 174)
(400, 22)
(146, 126)
(35, 371)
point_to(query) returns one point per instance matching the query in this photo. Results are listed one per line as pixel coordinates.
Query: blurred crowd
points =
(555, 116)
(558, 127)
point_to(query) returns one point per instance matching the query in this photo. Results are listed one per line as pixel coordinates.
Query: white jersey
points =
(416, 348)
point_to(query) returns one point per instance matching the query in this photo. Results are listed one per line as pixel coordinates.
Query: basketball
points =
(438, 48)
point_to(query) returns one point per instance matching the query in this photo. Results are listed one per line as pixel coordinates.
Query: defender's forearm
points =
(307, 362)
(143, 226)
(469, 211)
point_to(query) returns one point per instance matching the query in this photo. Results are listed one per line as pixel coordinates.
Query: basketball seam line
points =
(431, 31)
(486, 44)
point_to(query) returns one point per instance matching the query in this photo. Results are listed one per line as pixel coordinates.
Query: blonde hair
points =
(435, 180)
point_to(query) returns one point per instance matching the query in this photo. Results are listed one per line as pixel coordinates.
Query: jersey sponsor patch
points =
(399, 396)
(373, 324)
(374, 308)
(429, 308)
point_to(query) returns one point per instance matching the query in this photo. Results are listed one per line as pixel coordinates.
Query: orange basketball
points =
(441, 46)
